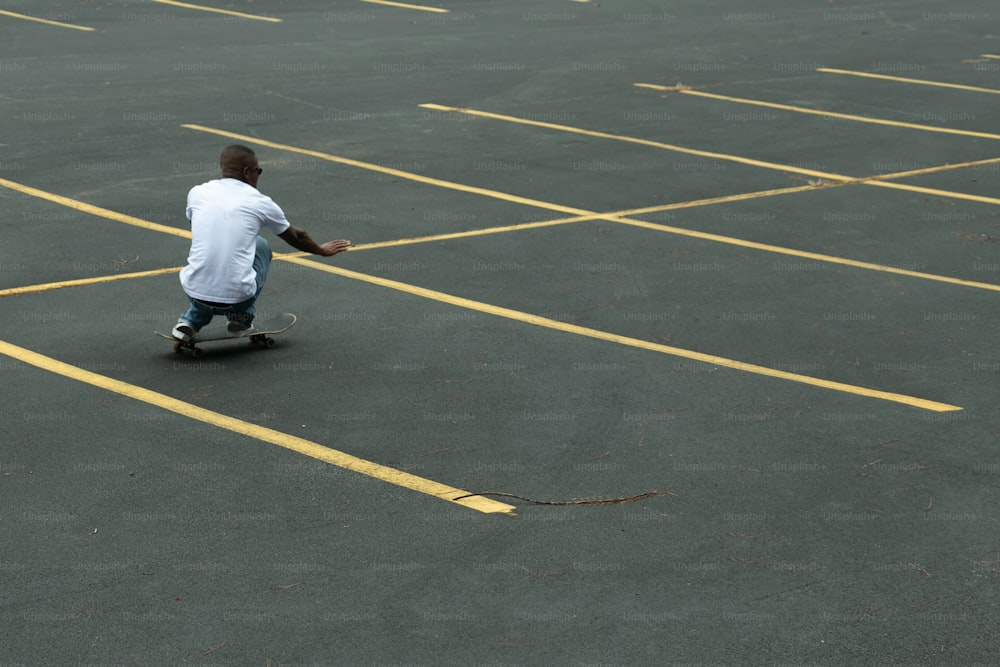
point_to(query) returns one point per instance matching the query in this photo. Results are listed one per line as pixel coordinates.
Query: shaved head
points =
(235, 157)
(240, 162)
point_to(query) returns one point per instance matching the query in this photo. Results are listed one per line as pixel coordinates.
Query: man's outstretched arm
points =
(300, 240)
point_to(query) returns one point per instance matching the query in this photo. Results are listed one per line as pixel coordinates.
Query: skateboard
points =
(260, 334)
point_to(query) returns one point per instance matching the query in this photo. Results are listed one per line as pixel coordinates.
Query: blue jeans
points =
(200, 313)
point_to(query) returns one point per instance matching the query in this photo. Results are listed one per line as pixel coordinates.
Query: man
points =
(228, 261)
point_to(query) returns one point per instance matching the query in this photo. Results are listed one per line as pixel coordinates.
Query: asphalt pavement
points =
(665, 339)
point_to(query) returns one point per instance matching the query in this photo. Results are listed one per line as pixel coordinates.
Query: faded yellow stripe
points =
(901, 79)
(614, 215)
(643, 142)
(828, 177)
(59, 24)
(229, 12)
(45, 287)
(405, 5)
(485, 192)
(583, 216)
(291, 442)
(623, 340)
(817, 112)
(880, 183)
(94, 210)
(593, 333)
(803, 254)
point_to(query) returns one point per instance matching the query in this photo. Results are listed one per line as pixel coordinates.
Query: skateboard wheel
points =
(195, 352)
(177, 347)
(268, 342)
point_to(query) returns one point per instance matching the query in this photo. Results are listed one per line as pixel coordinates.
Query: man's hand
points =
(300, 240)
(331, 248)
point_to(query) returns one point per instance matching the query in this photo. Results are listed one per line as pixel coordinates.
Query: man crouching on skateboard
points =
(228, 262)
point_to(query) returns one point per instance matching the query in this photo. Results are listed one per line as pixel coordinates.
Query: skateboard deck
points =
(260, 334)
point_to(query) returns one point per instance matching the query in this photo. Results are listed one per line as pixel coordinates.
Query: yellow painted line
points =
(399, 173)
(545, 322)
(45, 287)
(990, 55)
(94, 210)
(933, 191)
(724, 199)
(620, 217)
(616, 216)
(832, 178)
(593, 333)
(803, 254)
(923, 171)
(229, 12)
(588, 215)
(486, 231)
(581, 216)
(642, 142)
(291, 442)
(817, 112)
(921, 82)
(404, 5)
(46, 21)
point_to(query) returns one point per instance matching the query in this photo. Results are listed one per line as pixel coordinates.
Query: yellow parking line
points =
(642, 142)
(829, 177)
(614, 215)
(545, 322)
(59, 24)
(803, 254)
(485, 192)
(94, 210)
(818, 112)
(404, 5)
(580, 216)
(625, 340)
(921, 82)
(291, 442)
(229, 12)
(45, 287)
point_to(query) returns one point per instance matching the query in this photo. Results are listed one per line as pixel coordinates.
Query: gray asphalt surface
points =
(665, 508)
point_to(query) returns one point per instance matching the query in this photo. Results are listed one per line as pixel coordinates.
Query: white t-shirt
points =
(226, 216)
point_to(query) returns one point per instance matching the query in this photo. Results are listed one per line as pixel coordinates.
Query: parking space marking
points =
(879, 180)
(80, 282)
(537, 320)
(901, 79)
(593, 333)
(813, 256)
(619, 339)
(683, 90)
(422, 8)
(410, 176)
(486, 231)
(583, 216)
(585, 331)
(257, 432)
(228, 12)
(876, 180)
(59, 24)
(642, 142)
(94, 210)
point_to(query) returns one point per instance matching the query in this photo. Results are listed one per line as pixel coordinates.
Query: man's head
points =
(240, 162)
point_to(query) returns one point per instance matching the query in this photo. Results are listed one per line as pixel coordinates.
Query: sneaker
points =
(183, 331)
(239, 326)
